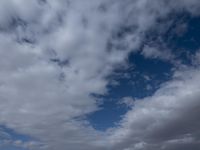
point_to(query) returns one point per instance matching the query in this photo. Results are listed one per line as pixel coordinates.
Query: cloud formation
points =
(54, 55)
(167, 120)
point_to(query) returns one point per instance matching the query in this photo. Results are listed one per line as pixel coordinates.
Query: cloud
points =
(152, 52)
(51, 64)
(127, 101)
(56, 54)
(167, 120)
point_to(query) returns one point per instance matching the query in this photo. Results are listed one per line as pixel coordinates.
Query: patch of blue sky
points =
(141, 79)
(10, 147)
(14, 135)
(189, 40)
(145, 75)
(182, 36)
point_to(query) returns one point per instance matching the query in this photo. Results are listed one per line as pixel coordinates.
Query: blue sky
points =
(144, 75)
(138, 81)
(99, 75)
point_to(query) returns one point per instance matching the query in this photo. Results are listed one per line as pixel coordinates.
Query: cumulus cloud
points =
(167, 120)
(56, 54)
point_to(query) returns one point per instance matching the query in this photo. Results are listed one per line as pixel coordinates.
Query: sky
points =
(99, 74)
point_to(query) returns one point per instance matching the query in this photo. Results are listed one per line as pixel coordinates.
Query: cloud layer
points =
(54, 55)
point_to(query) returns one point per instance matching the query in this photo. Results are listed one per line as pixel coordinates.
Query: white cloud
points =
(171, 114)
